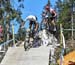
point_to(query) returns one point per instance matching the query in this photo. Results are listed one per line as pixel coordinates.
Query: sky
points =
(33, 7)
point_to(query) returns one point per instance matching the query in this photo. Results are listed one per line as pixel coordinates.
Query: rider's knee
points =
(53, 22)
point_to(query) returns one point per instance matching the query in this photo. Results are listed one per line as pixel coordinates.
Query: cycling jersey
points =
(52, 11)
(31, 18)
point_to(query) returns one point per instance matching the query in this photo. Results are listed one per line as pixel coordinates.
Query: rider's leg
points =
(33, 30)
(53, 23)
(54, 31)
(30, 26)
(46, 20)
(44, 23)
(36, 26)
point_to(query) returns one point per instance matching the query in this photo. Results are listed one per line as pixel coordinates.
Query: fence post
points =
(62, 42)
(60, 33)
(13, 35)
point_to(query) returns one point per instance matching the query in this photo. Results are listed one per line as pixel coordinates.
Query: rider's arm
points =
(54, 13)
(36, 26)
(26, 18)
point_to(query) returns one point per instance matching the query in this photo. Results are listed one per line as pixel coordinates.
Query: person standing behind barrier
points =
(1, 30)
(1, 33)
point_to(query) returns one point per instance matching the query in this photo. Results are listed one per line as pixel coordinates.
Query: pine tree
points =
(8, 13)
(65, 14)
(64, 9)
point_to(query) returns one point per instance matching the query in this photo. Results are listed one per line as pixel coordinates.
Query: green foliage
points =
(64, 9)
(8, 13)
(21, 34)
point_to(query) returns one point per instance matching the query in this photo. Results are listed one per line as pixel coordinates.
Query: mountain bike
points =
(28, 39)
(32, 40)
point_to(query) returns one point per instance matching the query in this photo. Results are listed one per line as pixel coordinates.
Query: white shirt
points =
(51, 10)
(31, 18)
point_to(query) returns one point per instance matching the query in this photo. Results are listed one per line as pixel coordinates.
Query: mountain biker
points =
(51, 12)
(33, 24)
